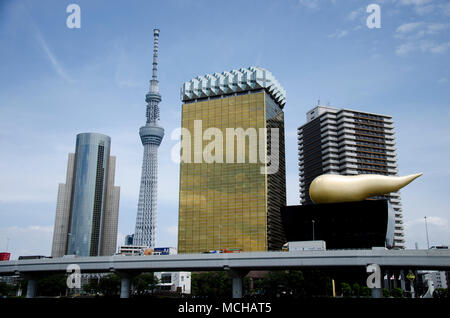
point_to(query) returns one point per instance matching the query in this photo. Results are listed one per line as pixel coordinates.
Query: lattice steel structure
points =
(151, 137)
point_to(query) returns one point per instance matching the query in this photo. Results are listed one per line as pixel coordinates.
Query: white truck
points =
(304, 246)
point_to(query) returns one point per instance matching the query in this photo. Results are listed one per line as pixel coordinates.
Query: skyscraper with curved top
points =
(87, 209)
(151, 137)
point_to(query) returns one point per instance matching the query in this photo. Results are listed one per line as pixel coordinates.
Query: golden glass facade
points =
(231, 205)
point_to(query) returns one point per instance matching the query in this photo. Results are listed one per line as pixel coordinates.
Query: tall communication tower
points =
(151, 137)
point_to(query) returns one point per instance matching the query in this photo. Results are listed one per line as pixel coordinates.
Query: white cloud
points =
(431, 220)
(414, 2)
(310, 4)
(422, 10)
(415, 30)
(29, 240)
(409, 27)
(437, 48)
(419, 37)
(443, 80)
(405, 49)
(422, 46)
(445, 9)
(353, 15)
(46, 229)
(339, 34)
(437, 228)
(434, 28)
(424, 7)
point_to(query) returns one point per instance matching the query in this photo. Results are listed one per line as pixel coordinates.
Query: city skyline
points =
(323, 51)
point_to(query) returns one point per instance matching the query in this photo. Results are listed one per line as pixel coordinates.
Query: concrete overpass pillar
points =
(377, 292)
(125, 284)
(402, 282)
(236, 284)
(386, 279)
(125, 281)
(236, 281)
(31, 288)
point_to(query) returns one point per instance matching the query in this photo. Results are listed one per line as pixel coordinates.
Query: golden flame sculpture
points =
(332, 188)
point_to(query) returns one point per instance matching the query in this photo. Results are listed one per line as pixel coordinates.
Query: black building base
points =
(360, 225)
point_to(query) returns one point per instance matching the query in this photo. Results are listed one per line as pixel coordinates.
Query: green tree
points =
(317, 283)
(397, 293)
(356, 289)
(295, 283)
(110, 285)
(144, 283)
(6, 289)
(273, 284)
(386, 293)
(92, 287)
(346, 290)
(53, 285)
(212, 284)
(441, 293)
(365, 291)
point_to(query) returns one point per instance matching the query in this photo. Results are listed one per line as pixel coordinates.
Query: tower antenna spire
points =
(155, 52)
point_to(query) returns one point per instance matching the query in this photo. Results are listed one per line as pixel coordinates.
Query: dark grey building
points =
(129, 239)
(341, 225)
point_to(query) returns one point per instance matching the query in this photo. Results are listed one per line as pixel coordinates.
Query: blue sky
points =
(56, 82)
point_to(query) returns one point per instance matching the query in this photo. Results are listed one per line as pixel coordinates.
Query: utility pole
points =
(426, 230)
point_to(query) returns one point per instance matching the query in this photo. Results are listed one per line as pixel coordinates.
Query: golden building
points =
(230, 196)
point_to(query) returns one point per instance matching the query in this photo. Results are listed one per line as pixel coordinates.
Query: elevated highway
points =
(237, 264)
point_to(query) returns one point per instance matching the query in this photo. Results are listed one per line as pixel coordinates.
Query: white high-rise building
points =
(348, 142)
(151, 137)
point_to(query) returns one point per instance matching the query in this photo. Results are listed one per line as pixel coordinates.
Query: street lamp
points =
(313, 234)
(426, 230)
(220, 243)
